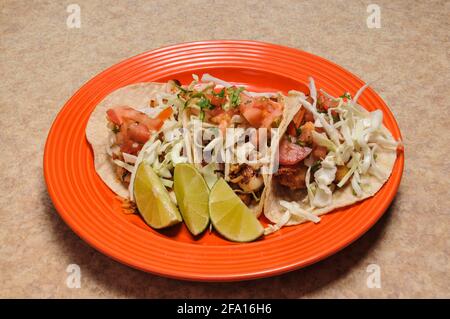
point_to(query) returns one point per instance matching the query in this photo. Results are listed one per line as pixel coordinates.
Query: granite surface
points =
(43, 62)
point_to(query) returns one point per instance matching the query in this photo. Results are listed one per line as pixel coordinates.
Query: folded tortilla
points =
(341, 197)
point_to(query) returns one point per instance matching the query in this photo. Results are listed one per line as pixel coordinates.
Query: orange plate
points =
(88, 206)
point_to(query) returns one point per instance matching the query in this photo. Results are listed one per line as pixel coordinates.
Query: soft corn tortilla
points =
(341, 197)
(98, 135)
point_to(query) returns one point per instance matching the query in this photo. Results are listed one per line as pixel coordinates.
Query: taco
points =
(160, 124)
(134, 123)
(234, 128)
(332, 153)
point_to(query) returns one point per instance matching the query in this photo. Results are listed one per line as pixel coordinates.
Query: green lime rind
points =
(153, 200)
(192, 195)
(230, 216)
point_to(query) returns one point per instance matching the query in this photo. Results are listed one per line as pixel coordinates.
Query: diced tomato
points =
(324, 102)
(135, 127)
(119, 114)
(290, 153)
(320, 130)
(292, 130)
(215, 99)
(114, 116)
(138, 133)
(152, 124)
(246, 101)
(130, 147)
(260, 111)
(272, 111)
(296, 122)
(165, 114)
(298, 118)
(253, 115)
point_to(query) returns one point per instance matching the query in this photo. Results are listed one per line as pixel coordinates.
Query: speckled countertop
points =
(43, 63)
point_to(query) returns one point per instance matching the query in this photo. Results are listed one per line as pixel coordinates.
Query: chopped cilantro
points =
(233, 95)
(298, 131)
(346, 95)
(221, 94)
(204, 103)
(197, 94)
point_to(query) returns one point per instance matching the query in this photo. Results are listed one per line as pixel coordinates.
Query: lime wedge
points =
(192, 195)
(230, 216)
(153, 200)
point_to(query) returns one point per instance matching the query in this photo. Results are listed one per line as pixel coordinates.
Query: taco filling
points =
(215, 106)
(332, 154)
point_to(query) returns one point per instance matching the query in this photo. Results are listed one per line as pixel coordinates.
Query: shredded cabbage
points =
(323, 196)
(296, 210)
(271, 228)
(128, 158)
(322, 140)
(327, 173)
(352, 138)
(124, 165)
(354, 163)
